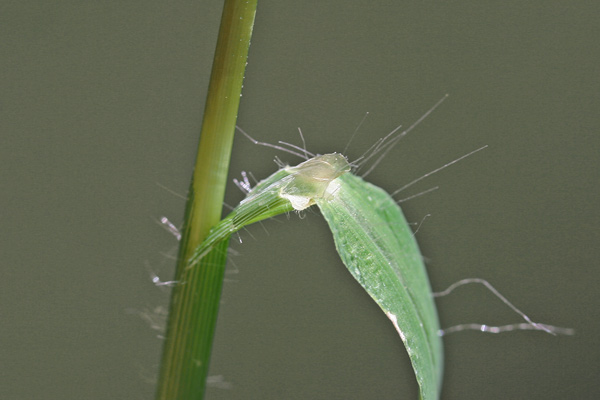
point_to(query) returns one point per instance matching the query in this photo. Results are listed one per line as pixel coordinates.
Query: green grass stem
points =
(195, 300)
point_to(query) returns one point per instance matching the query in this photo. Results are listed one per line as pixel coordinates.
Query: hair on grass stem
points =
(529, 325)
(436, 170)
(274, 146)
(389, 141)
(355, 132)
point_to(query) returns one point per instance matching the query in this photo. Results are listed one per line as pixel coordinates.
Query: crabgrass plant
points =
(371, 235)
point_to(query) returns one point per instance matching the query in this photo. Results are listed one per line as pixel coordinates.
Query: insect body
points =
(374, 242)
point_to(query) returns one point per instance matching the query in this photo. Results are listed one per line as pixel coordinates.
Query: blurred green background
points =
(100, 107)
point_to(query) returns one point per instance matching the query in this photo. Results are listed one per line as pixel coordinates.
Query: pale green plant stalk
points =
(195, 300)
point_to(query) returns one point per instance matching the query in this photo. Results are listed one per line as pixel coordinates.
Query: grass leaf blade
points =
(377, 246)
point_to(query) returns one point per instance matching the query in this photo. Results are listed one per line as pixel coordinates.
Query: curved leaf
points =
(373, 239)
(379, 249)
